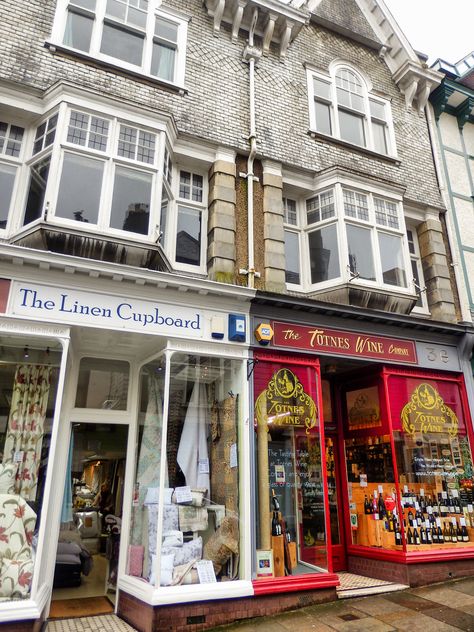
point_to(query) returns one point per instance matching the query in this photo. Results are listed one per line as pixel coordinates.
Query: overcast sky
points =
(439, 28)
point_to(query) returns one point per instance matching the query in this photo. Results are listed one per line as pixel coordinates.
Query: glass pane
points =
(80, 188)
(361, 260)
(375, 518)
(434, 462)
(201, 484)
(131, 201)
(116, 9)
(377, 109)
(290, 510)
(356, 205)
(323, 117)
(78, 31)
(289, 211)
(102, 384)
(38, 180)
(292, 257)
(7, 179)
(391, 256)
(122, 44)
(332, 490)
(322, 88)
(29, 388)
(386, 213)
(351, 128)
(379, 131)
(416, 279)
(162, 61)
(86, 4)
(324, 254)
(166, 30)
(188, 237)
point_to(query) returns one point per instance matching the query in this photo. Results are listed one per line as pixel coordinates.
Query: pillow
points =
(166, 569)
(184, 554)
(69, 559)
(173, 538)
(70, 548)
(7, 478)
(152, 496)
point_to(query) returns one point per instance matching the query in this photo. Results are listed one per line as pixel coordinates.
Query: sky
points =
(439, 28)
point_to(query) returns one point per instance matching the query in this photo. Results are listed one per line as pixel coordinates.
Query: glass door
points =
(334, 496)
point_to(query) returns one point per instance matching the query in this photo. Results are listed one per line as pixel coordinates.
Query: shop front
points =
(125, 446)
(363, 442)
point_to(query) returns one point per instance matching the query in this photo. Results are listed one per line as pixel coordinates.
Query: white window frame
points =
(173, 210)
(342, 221)
(99, 16)
(17, 163)
(365, 114)
(415, 259)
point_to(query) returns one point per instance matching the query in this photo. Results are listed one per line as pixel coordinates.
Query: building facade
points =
(234, 356)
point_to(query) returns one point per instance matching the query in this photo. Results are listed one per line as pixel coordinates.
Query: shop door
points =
(88, 548)
(334, 477)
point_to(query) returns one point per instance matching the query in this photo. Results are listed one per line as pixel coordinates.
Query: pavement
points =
(437, 608)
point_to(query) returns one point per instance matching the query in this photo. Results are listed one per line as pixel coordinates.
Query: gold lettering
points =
(398, 350)
(290, 334)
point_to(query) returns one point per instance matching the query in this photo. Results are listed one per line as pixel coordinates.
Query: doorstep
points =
(103, 623)
(352, 585)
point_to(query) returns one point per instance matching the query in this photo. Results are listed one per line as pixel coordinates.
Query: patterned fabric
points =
(224, 479)
(17, 523)
(26, 425)
(193, 454)
(149, 459)
(192, 518)
(191, 550)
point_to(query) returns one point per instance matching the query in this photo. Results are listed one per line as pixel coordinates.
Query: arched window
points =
(343, 106)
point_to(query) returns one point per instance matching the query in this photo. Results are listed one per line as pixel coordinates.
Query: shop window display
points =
(28, 387)
(291, 530)
(434, 463)
(374, 513)
(189, 532)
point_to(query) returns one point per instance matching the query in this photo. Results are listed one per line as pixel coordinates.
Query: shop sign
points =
(426, 412)
(339, 342)
(285, 403)
(103, 310)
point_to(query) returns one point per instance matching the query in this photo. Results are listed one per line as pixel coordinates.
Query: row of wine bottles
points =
(432, 533)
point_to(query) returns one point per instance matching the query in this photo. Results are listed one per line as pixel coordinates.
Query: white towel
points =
(193, 449)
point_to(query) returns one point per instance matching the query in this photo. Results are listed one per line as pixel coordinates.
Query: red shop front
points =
(362, 464)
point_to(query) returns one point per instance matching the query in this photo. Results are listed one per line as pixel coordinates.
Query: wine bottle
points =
(464, 533)
(446, 533)
(452, 533)
(409, 536)
(434, 534)
(276, 504)
(440, 536)
(416, 537)
(451, 504)
(276, 527)
(367, 506)
(457, 506)
(411, 518)
(458, 532)
(398, 535)
(429, 537)
(423, 539)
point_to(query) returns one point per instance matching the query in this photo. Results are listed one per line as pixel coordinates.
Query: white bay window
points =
(11, 141)
(342, 235)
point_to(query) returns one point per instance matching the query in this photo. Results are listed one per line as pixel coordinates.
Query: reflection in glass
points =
(292, 257)
(361, 261)
(102, 384)
(323, 117)
(80, 188)
(122, 44)
(188, 237)
(351, 127)
(38, 180)
(78, 31)
(324, 254)
(7, 179)
(393, 268)
(131, 201)
(162, 61)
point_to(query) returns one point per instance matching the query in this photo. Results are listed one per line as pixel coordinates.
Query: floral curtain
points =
(25, 430)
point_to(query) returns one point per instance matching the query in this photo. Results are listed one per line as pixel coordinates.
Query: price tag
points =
(429, 510)
(183, 495)
(363, 480)
(376, 516)
(444, 495)
(203, 466)
(422, 492)
(438, 522)
(405, 489)
(205, 569)
(470, 508)
(417, 505)
(453, 520)
(375, 494)
(18, 456)
(454, 493)
(462, 522)
(427, 524)
(233, 455)
(380, 488)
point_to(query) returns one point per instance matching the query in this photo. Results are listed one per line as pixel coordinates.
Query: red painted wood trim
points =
(284, 356)
(313, 581)
(412, 557)
(376, 554)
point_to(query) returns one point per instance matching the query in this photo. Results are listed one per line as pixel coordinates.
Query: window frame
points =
(16, 163)
(366, 115)
(99, 18)
(341, 220)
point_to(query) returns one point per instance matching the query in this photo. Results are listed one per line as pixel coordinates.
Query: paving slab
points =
(445, 596)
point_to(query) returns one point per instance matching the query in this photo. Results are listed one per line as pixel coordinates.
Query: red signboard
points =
(346, 343)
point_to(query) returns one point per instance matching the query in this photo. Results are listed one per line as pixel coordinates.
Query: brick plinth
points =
(207, 614)
(411, 574)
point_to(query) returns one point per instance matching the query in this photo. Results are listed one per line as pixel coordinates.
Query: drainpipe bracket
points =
(251, 53)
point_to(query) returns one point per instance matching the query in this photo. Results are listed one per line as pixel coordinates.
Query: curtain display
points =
(193, 454)
(148, 470)
(24, 437)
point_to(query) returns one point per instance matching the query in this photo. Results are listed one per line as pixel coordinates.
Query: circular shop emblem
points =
(426, 396)
(285, 383)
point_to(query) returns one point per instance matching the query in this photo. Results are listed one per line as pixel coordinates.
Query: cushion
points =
(68, 558)
(89, 524)
(192, 518)
(166, 569)
(15, 578)
(68, 548)
(182, 555)
(173, 538)
(7, 478)
(136, 554)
